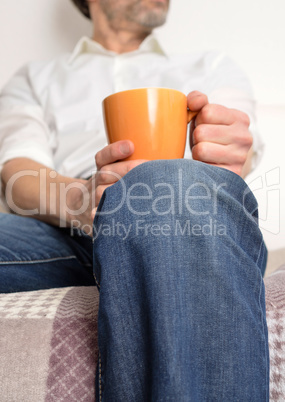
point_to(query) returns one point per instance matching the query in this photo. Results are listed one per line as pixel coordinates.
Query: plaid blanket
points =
(48, 343)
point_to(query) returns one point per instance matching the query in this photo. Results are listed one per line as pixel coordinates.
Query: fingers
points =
(93, 213)
(218, 154)
(110, 174)
(217, 114)
(221, 134)
(114, 152)
(196, 100)
(99, 192)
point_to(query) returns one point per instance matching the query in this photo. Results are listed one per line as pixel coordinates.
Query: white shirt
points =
(51, 112)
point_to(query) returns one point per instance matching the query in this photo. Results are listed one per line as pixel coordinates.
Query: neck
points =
(119, 41)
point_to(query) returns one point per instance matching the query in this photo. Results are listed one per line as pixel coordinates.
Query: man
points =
(182, 310)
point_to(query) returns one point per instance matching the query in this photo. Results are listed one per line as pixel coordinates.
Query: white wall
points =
(250, 31)
(36, 29)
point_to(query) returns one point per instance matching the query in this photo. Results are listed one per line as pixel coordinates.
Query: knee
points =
(170, 187)
(189, 199)
(183, 187)
(182, 172)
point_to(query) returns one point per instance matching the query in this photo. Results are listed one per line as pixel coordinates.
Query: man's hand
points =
(220, 136)
(111, 168)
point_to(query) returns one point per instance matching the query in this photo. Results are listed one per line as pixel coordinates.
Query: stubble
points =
(134, 11)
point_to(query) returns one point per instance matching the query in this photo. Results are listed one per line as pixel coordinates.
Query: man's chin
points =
(153, 18)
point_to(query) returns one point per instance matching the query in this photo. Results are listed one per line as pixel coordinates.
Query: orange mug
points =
(154, 119)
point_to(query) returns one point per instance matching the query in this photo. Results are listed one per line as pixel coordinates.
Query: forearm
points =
(32, 189)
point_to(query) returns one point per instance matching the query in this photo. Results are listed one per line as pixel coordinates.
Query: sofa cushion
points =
(48, 345)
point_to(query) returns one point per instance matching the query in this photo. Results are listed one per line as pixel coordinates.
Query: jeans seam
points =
(37, 261)
(262, 317)
(96, 281)
(100, 379)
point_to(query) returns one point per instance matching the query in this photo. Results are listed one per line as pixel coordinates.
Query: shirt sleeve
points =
(23, 129)
(228, 85)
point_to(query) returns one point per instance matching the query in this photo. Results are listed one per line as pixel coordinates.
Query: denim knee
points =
(179, 187)
(181, 197)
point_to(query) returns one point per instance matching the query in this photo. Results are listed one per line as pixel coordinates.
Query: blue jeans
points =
(178, 258)
(35, 255)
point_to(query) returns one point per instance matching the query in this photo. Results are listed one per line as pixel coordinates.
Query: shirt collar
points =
(89, 46)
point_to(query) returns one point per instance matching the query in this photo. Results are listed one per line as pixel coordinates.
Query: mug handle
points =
(191, 115)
